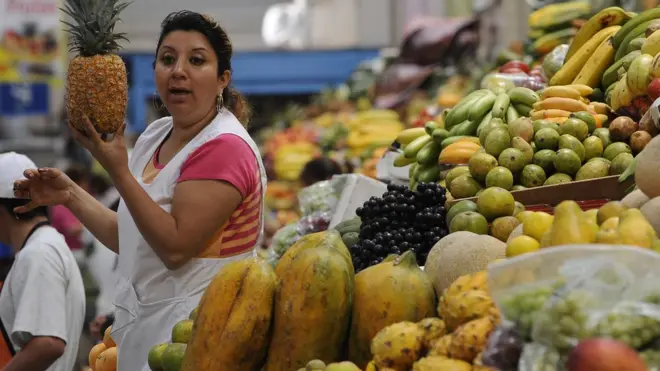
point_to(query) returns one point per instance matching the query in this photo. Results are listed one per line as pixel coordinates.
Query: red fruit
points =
(515, 64)
(600, 354)
(653, 89)
(513, 71)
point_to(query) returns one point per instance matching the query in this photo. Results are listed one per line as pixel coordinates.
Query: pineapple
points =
(96, 79)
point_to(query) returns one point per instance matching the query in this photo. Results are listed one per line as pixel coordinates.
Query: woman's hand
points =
(111, 154)
(44, 187)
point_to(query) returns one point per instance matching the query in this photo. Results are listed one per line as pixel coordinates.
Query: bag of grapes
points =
(321, 196)
(282, 240)
(565, 294)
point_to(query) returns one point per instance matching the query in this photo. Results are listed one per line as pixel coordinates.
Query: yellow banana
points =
(621, 94)
(593, 69)
(601, 108)
(638, 75)
(408, 135)
(571, 69)
(549, 113)
(565, 104)
(612, 16)
(378, 115)
(547, 15)
(561, 92)
(584, 90)
(651, 44)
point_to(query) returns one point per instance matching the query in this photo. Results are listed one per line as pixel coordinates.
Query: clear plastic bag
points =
(503, 349)
(565, 294)
(283, 239)
(509, 81)
(321, 196)
(315, 222)
(554, 60)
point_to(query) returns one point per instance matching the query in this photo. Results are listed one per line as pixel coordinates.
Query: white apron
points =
(151, 299)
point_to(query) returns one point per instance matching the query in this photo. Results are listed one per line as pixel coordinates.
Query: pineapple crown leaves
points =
(92, 32)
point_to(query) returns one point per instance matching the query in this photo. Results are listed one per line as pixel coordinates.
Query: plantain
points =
(566, 104)
(500, 105)
(553, 14)
(546, 43)
(612, 16)
(592, 72)
(481, 106)
(571, 69)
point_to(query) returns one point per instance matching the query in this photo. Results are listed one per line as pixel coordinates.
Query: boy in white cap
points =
(42, 303)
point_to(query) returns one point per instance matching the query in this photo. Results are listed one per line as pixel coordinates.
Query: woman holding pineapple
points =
(192, 192)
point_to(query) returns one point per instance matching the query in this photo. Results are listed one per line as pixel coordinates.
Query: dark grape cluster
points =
(398, 221)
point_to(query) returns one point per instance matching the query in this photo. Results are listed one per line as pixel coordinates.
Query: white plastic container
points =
(358, 189)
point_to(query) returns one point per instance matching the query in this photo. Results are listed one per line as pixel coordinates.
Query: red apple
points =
(515, 64)
(600, 354)
(653, 89)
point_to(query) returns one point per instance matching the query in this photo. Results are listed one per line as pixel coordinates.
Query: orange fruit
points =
(107, 360)
(107, 339)
(94, 353)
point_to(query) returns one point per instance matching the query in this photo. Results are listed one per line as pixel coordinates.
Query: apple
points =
(653, 89)
(601, 354)
(515, 64)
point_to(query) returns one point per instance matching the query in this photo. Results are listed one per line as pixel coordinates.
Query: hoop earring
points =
(219, 100)
(154, 103)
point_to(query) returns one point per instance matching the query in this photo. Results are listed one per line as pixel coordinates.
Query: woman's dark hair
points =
(216, 35)
(78, 173)
(319, 169)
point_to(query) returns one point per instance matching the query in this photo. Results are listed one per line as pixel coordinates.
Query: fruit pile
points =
(399, 221)
(529, 153)
(103, 356)
(553, 25)
(372, 129)
(453, 141)
(613, 223)
(169, 356)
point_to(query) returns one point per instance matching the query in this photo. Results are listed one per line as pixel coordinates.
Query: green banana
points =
(401, 160)
(511, 114)
(546, 43)
(439, 135)
(635, 44)
(430, 126)
(411, 149)
(500, 105)
(611, 75)
(521, 95)
(468, 129)
(523, 109)
(412, 170)
(643, 17)
(611, 16)
(481, 106)
(459, 113)
(456, 129)
(638, 31)
(429, 153)
(485, 120)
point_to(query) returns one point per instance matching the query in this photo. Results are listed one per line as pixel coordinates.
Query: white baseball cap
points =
(12, 167)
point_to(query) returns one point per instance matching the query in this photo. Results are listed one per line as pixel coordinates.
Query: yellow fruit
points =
(465, 307)
(94, 354)
(470, 339)
(107, 339)
(521, 245)
(107, 360)
(608, 235)
(182, 331)
(537, 224)
(523, 215)
(397, 346)
(441, 346)
(469, 282)
(502, 227)
(610, 210)
(434, 329)
(439, 363)
(635, 230)
(610, 223)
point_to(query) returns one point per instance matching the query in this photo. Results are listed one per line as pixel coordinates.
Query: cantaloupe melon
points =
(461, 253)
(651, 211)
(107, 360)
(635, 199)
(647, 169)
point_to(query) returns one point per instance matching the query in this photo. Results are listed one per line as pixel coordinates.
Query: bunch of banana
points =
(552, 25)
(373, 128)
(634, 29)
(558, 103)
(290, 159)
(590, 59)
(480, 106)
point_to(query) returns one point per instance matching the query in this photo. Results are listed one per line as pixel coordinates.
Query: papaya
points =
(313, 304)
(393, 291)
(232, 328)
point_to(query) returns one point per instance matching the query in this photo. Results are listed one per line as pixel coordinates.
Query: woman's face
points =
(187, 78)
